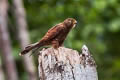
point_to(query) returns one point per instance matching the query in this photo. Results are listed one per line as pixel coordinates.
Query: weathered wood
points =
(66, 64)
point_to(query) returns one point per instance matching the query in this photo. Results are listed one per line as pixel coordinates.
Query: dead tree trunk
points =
(66, 64)
(5, 46)
(23, 37)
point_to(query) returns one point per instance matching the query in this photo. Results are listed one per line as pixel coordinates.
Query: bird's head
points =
(70, 22)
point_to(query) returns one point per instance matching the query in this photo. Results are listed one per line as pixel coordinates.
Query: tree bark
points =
(23, 37)
(5, 46)
(66, 64)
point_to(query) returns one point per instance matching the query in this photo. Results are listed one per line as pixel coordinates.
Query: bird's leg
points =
(55, 45)
(61, 43)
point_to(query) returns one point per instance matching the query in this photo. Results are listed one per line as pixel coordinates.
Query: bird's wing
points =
(53, 32)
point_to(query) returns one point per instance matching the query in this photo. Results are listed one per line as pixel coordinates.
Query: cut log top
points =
(66, 64)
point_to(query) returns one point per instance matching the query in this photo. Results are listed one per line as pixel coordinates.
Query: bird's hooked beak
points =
(75, 22)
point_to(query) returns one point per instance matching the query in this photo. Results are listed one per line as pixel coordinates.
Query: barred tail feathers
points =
(30, 47)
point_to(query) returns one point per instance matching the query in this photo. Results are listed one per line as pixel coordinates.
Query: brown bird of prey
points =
(55, 36)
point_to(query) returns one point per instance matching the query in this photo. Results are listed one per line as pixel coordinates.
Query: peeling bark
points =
(66, 64)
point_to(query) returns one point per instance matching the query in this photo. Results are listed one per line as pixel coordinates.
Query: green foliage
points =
(98, 27)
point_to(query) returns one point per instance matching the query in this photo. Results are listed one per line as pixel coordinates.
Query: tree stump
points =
(66, 64)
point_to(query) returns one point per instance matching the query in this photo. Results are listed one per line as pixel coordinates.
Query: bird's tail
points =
(31, 47)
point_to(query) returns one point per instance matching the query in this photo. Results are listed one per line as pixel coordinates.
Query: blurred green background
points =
(98, 27)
